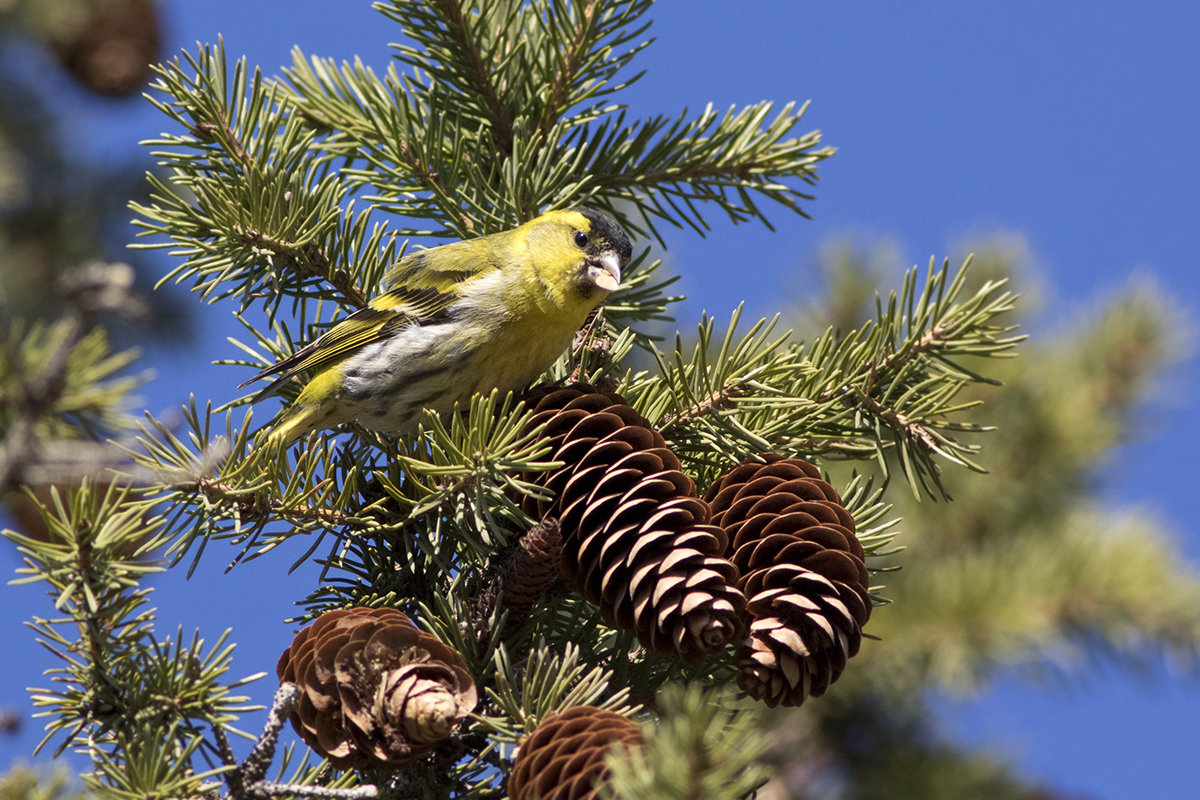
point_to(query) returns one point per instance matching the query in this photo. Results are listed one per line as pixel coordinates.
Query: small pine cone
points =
(531, 568)
(521, 577)
(636, 539)
(563, 759)
(803, 574)
(375, 691)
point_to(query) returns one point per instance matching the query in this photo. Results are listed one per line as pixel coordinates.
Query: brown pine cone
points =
(803, 574)
(532, 567)
(563, 759)
(110, 47)
(375, 691)
(522, 577)
(635, 537)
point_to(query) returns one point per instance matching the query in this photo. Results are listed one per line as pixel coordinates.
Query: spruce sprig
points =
(890, 387)
(108, 697)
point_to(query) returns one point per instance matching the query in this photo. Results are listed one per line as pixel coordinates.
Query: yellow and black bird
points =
(472, 316)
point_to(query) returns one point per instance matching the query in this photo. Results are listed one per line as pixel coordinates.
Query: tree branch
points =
(481, 76)
(570, 66)
(720, 399)
(246, 780)
(308, 259)
(256, 507)
(430, 179)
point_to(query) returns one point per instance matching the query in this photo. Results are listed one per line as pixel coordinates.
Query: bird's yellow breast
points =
(519, 333)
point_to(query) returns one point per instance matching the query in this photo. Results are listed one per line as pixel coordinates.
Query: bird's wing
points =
(447, 266)
(386, 315)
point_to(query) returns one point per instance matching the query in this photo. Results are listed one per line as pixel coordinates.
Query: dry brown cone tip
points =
(803, 573)
(636, 539)
(375, 691)
(563, 759)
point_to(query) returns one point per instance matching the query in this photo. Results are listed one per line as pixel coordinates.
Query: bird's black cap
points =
(607, 234)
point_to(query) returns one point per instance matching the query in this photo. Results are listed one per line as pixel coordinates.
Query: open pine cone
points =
(375, 691)
(563, 759)
(803, 574)
(635, 537)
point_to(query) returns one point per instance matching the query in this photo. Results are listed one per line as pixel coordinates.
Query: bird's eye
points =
(581, 239)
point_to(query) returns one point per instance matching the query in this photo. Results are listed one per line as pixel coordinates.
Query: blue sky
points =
(1072, 123)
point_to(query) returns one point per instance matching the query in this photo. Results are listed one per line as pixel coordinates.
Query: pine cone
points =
(563, 759)
(521, 578)
(531, 568)
(110, 49)
(635, 537)
(375, 691)
(803, 574)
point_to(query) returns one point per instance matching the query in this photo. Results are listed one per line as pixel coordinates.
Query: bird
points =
(468, 317)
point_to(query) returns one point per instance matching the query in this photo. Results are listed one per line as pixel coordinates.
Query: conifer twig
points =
(481, 76)
(255, 766)
(308, 259)
(246, 780)
(259, 505)
(717, 400)
(570, 64)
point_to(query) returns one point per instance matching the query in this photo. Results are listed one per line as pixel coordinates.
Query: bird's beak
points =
(604, 271)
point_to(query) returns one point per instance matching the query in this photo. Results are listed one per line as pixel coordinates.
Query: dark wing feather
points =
(387, 314)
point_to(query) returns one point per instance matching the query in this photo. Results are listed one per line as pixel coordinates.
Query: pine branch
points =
(547, 684)
(890, 386)
(666, 167)
(307, 260)
(127, 700)
(258, 508)
(704, 745)
(713, 403)
(247, 780)
(249, 204)
(467, 51)
(493, 68)
(573, 55)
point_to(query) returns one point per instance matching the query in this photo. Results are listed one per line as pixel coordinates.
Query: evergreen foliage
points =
(1026, 571)
(300, 189)
(285, 200)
